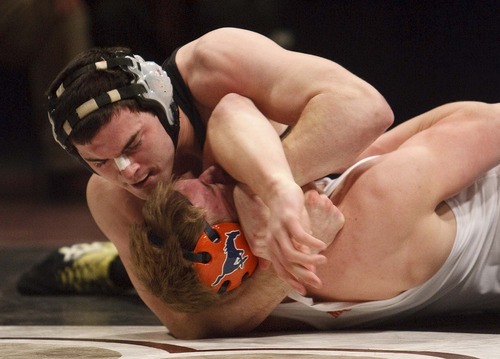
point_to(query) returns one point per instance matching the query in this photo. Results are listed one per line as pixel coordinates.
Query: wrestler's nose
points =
(122, 162)
(128, 169)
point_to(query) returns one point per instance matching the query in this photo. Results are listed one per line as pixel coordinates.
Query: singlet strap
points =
(184, 98)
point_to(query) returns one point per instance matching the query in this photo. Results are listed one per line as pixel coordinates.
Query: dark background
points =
(418, 54)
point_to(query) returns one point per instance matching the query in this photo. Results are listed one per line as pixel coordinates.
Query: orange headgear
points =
(222, 257)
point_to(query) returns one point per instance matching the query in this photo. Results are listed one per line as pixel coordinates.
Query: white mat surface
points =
(153, 342)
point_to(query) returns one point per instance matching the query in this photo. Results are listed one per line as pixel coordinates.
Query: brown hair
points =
(161, 267)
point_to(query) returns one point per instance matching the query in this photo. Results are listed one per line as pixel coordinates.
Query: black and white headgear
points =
(150, 86)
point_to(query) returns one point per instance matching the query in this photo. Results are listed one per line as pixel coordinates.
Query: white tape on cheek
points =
(122, 162)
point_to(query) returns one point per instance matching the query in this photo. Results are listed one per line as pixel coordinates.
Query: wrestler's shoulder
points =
(103, 193)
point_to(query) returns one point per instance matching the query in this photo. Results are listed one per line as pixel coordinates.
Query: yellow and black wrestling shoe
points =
(84, 268)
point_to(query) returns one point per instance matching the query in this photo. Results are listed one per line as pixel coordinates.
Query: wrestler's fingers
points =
(260, 250)
(325, 218)
(305, 276)
(282, 273)
(296, 253)
(299, 265)
(297, 276)
(300, 236)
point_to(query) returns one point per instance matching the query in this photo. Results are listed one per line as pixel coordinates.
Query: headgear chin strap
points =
(150, 86)
(222, 257)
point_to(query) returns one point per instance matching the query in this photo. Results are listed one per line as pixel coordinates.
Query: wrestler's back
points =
(378, 255)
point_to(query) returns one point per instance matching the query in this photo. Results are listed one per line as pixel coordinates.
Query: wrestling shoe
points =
(78, 269)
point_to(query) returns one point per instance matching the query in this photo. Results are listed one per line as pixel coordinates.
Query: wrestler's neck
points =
(188, 154)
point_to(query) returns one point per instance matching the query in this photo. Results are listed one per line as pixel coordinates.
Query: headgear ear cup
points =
(231, 260)
(159, 89)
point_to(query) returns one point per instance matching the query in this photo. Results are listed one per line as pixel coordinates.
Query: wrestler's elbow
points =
(231, 103)
(206, 324)
(187, 332)
(187, 326)
(379, 115)
(366, 110)
(199, 330)
(180, 325)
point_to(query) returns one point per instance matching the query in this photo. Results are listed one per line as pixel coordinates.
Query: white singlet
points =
(468, 281)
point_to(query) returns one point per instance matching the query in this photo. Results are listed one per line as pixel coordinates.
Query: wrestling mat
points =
(153, 342)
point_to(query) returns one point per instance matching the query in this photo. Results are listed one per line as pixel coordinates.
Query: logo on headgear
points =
(231, 260)
(235, 258)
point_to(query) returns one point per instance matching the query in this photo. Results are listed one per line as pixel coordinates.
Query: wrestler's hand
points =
(293, 250)
(326, 219)
(254, 219)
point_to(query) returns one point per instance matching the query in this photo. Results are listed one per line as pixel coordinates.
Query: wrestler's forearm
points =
(333, 131)
(246, 145)
(392, 139)
(240, 311)
(461, 144)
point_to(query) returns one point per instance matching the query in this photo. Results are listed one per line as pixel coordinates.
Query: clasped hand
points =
(289, 231)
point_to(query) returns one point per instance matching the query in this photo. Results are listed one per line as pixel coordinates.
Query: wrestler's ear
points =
(215, 174)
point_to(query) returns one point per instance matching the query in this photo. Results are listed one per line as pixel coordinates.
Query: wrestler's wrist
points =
(278, 188)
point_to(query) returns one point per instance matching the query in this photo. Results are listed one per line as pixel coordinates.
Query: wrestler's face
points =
(215, 198)
(144, 149)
